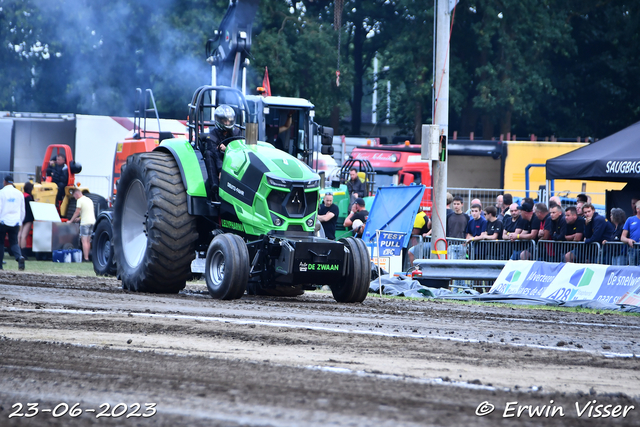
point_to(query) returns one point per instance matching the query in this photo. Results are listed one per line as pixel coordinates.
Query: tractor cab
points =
(286, 123)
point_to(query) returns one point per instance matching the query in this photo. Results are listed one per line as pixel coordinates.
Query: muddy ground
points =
(84, 344)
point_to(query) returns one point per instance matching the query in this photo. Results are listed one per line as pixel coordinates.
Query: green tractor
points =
(257, 233)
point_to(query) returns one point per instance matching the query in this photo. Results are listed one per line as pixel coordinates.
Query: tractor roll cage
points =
(198, 120)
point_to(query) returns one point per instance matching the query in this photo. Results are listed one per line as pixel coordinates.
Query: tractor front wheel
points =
(227, 267)
(102, 250)
(355, 286)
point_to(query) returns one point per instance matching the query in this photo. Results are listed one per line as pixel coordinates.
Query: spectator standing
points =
(596, 230)
(449, 201)
(355, 186)
(554, 200)
(494, 232)
(618, 219)
(86, 216)
(59, 174)
(583, 198)
(510, 220)
(525, 230)
(457, 222)
(476, 230)
(558, 224)
(575, 225)
(477, 225)
(421, 227)
(579, 206)
(631, 233)
(500, 207)
(28, 218)
(12, 214)
(616, 253)
(328, 216)
(557, 231)
(575, 230)
(476, 202)
(494, 225)
(544, 221)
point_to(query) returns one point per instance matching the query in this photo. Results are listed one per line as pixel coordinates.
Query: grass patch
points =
(50, 267)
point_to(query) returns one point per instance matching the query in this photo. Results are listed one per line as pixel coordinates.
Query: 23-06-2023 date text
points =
(29, 410)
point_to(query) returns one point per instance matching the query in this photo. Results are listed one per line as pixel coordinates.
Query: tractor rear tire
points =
(154, 236)
(102, 255)
(227, 267)
(99, 204)
(355, 285)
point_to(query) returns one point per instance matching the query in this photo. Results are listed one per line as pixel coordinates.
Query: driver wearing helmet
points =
(225, 119)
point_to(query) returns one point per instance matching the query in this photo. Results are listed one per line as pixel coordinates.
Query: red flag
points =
(265, 83)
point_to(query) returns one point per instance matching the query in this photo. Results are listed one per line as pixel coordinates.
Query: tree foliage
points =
(563, 67)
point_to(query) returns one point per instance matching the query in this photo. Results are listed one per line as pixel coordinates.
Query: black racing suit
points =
(60, 175)
(213, 156)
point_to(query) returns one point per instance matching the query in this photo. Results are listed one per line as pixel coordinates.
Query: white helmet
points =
(225, 117)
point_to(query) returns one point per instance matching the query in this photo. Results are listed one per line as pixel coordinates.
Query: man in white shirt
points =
(12, 213)
(86, 216)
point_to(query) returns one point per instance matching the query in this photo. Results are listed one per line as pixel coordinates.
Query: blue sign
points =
(390, 243)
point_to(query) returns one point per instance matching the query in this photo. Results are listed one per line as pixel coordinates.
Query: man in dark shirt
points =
(328, 216)
(358, 213)
(59, 174)
(524, 231)
(510, 221)
(558, 224)
(476, 230)
(556, 231)
(544, 225)
(354, 185)
(491, 250)
(575, 230)
(597, 228)
(225, 119)
(494, 225)
(575, 225)
(477, 225)
(457, 221)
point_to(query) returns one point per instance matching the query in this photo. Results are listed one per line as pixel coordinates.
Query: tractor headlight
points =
(311, 222)
(277, 222)
(277, 182)
(312, 183)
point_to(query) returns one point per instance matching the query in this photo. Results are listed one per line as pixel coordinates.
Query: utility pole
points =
(441, 119)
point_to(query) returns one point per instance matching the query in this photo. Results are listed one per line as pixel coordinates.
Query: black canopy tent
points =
(614, 158)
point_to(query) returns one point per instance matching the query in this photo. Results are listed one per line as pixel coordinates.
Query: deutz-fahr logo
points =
(303, 266)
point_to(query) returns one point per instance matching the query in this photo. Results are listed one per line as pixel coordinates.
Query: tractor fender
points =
(106, 215)
(188, 163)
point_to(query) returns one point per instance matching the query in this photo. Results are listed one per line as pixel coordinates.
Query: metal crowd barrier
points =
(619, 253)
(609, 253)
(578, 252)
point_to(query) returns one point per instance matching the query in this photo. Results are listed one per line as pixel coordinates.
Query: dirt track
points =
(302, 361)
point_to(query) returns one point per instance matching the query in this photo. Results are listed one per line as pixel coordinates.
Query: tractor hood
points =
(275, 164)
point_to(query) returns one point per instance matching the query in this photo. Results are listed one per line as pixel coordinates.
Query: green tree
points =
(369, 25)
(409, 56)
(508, 48)
(298, 45)
(599, 81)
